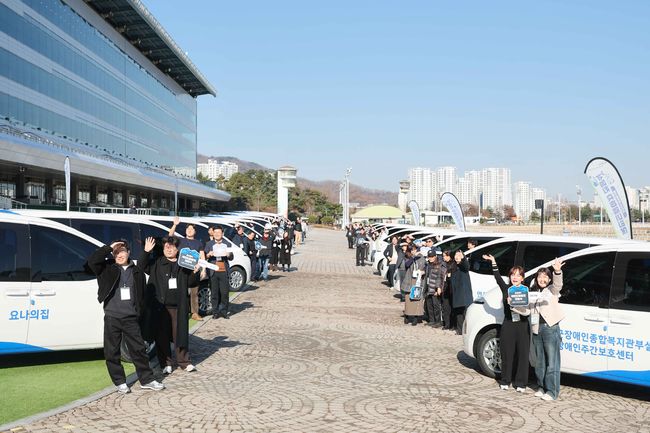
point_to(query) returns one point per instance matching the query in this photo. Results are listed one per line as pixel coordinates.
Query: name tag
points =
(125, 293)
(172, 283)
(515, 317)
(534, 318)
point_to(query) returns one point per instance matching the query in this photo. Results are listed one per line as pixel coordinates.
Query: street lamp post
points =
(579, 203)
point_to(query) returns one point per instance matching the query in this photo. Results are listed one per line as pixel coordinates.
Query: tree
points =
(508, 213)
(534, 217)
(587, 213)
(253, 189)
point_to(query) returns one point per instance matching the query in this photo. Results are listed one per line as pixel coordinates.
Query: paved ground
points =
(324, 349)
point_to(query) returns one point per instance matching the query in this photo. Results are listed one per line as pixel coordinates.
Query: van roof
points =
(90, 216)
(16, 218)
(509, 237)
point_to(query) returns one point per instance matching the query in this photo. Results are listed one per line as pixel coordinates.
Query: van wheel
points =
(237, 278)
(380, 266)
(125, 354)
(488, 353)
(205, 301)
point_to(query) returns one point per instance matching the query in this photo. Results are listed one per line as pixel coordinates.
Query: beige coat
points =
(413, 308)
(549, 308)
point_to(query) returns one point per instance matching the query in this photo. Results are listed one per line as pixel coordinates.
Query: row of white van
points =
(48, 296)
(606, 298)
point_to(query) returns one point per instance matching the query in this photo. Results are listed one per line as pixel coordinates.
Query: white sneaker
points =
(547, 397)
(123, 388)
(167, 370)
(153, 385)
(520, 389)
(539, 393)
(190, 367)
(504, 387)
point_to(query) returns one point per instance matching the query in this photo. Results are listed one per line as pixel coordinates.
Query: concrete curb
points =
(15, 426)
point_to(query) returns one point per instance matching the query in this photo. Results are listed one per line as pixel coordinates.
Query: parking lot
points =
(325, 349)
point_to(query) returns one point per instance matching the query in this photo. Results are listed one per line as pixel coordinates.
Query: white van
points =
(239, 274)
(48, 295)
(606, 299)
(525, 250)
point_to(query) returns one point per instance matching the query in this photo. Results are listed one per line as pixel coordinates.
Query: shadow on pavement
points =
(201, 349)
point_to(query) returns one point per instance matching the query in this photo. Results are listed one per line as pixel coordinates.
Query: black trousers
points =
(219, 292)
(514, 341)
(114, 330)
(254, 275)
(167, 324)
(459, 315)
(433, 309)
(446, 312)
(350, 242)
(390, 275)
(361, 255)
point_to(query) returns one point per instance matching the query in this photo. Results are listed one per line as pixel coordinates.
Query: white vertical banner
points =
(66, 170)
(609, 186)
(415, 210)
(450, 201)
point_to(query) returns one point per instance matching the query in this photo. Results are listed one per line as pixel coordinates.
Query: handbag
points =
(416, 291)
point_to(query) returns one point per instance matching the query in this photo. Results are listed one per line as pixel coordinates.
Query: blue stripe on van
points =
(633, 377)
(9, 347)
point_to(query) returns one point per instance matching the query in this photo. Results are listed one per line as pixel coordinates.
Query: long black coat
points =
(461, 285)
(160, 270)
(285, 252)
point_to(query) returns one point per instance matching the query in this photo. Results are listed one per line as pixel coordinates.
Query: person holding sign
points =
(190, 241)
(546, 313)
(218, 251)
(514, 337)
(170, 284)
(121, 290)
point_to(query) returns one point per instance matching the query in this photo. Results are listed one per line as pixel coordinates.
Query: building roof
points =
(138, 26)
(376, 212)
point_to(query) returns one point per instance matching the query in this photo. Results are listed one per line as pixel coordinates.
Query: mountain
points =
(358, 194)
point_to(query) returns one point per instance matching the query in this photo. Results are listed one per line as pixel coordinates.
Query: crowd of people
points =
(436, 288)
(158, 310)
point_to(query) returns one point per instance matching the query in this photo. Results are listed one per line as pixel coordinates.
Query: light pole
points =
(643, 198)
(341, 189)
(579, 202)
(346, 196)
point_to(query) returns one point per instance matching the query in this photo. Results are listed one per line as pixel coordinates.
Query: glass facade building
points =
(62, 76)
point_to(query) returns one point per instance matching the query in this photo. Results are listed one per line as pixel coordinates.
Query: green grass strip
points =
(38, 388)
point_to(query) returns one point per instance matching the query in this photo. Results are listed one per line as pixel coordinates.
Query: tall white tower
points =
(286, 180)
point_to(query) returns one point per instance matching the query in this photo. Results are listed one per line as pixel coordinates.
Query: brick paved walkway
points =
(324, 349)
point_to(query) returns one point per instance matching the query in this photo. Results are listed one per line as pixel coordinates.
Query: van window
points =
(108, 231)
(634, 293)
(588, 279)
(59, 256)
(536, 254)
(453, 245)
(150, 231)
(14, 252)
(504, 253)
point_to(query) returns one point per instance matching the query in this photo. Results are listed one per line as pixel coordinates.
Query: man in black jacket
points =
(121, 289)
(218, 251)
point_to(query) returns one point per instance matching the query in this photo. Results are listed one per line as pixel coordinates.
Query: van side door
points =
(585, 301)
(63, 292)
(629, 319)
(14, 288)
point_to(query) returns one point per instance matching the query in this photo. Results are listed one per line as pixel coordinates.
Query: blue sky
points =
(381, 86)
